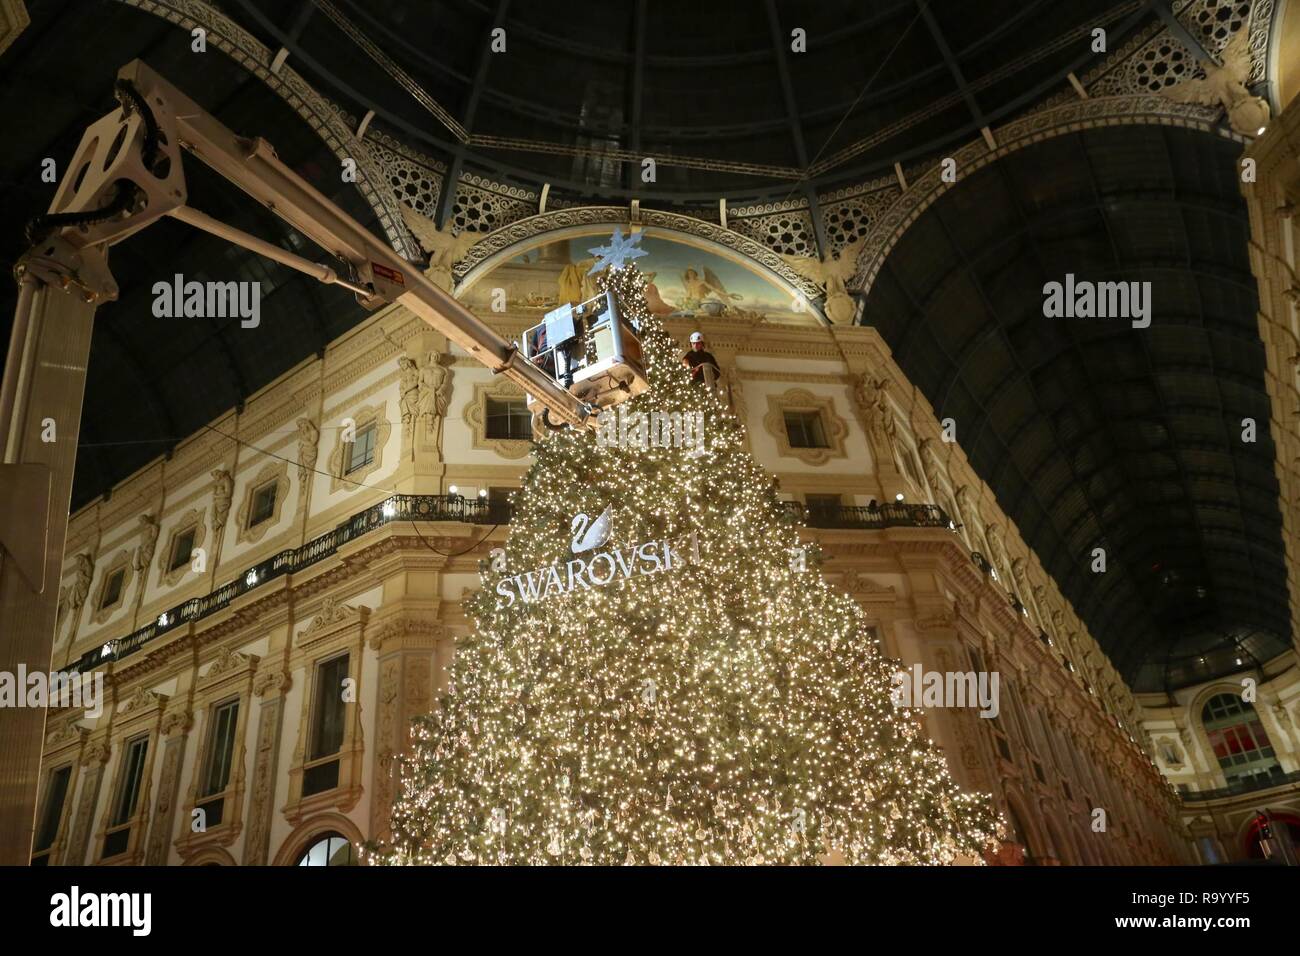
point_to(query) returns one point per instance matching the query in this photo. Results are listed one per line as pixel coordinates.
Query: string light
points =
(730, 710)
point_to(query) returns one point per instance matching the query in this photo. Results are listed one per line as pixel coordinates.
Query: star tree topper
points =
(619, 250)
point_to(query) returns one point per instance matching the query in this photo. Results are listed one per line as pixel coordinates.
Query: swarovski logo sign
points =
(603, 567)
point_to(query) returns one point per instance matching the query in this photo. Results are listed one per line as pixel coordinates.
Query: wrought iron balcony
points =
(396, 508)
(1249, 785)
(864, 516)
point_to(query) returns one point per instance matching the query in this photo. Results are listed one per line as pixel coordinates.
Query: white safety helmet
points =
(697, 337)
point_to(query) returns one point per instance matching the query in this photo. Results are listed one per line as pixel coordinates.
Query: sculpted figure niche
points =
(308, 449)
(997, 547)
(223, 492)
(148, 544)
(930, 465)
(433, 394)
(872, 397)
(408, 387)
(75, 594)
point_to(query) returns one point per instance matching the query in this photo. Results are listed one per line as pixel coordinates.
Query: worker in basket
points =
(704, 367)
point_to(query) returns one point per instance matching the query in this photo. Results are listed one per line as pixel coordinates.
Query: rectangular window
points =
(804, 429)
(182, 548)
(508, 418)
(361, 452)
(328, 708)
(113, 588)
(263, 504)
(56, 792)
(221, 747)
(132, 777)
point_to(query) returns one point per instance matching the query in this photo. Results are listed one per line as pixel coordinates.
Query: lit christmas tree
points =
(673, 681)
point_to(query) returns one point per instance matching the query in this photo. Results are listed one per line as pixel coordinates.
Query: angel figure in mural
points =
(444, 249)
(574, 284)
(705, 292)
(654, 301)
(832, 272)
(1225, 86)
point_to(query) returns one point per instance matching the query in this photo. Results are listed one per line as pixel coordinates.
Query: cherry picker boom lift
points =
(127, 173)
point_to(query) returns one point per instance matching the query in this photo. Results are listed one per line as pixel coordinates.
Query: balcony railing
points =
(1249, 785)
(864, 516)
(396, 508)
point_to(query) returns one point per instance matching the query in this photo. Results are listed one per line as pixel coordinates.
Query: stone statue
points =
(148, 543)
(308, 448)
(444, 249)
(84, 573)
(873, 397)
(434, 391)
(997, 548)
(223, 491)
(1019, 568)
(1225, 86)
(970, 514)
(831, 272)
(1283, 718)
(930, 464)
(409, 387)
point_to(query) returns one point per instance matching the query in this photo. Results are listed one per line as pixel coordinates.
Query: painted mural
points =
(685, 281)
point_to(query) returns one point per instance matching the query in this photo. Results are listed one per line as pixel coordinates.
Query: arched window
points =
(328, 849)
(1238, 739)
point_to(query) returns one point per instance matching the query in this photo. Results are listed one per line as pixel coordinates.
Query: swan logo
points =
(587, 537)
(587, 570)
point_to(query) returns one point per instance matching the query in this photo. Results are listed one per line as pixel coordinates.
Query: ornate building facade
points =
(328, 532)
(324, 534)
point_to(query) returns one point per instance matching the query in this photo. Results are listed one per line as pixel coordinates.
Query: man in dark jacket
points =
(698, 358)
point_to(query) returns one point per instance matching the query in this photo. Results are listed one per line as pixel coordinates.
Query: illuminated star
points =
(619, 250)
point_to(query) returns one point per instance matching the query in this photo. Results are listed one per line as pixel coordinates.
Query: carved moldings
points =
(475, 415)
(176, 722)
(277, 471)
(269, 683)
(406, 632)
(265, 762)
(121, 562)
(163, 811)
(364, 416)
(797, 399)
(334, 617)
(194, 518)
(69, 732)
(141, 702)
(229, 665)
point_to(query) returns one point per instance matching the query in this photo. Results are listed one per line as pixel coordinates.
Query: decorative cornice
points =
(269, 682)
(143, 699)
